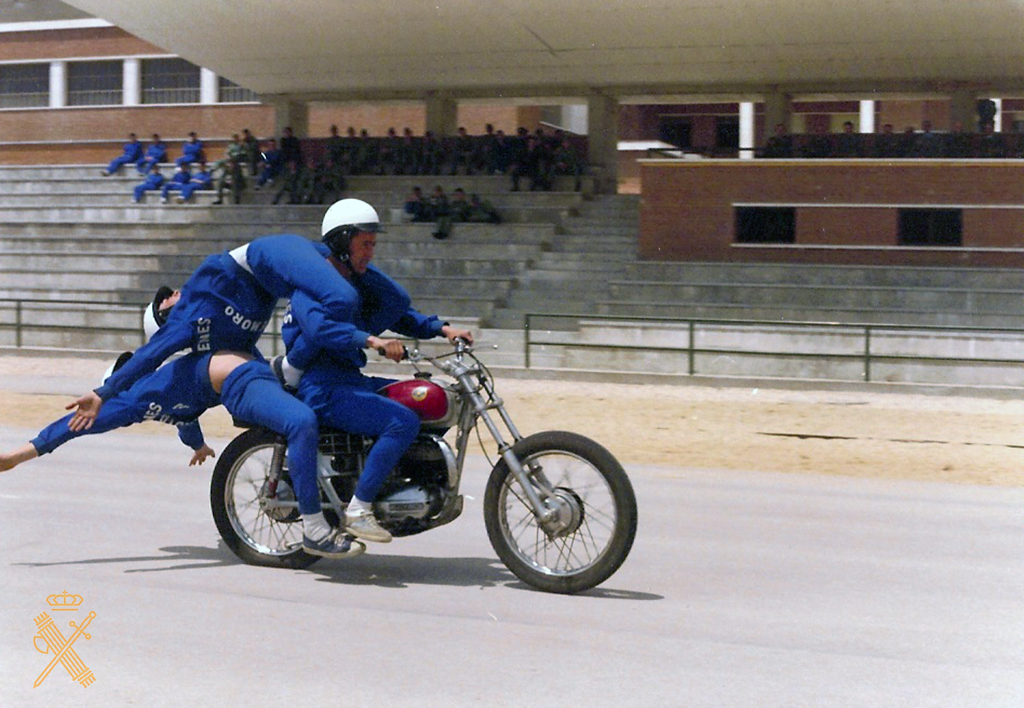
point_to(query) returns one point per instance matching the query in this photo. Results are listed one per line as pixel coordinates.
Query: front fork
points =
(531, 478)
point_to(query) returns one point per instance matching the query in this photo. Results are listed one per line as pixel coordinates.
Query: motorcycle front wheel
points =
(259, 528)
(595, 522)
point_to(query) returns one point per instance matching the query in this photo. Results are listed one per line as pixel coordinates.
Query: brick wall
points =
(846, 211)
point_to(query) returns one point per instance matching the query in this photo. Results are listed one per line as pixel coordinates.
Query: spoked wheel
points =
(259, 527)
(593, 524)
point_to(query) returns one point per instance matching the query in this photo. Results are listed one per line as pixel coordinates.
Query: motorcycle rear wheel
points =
(597, 516)
(237, 498)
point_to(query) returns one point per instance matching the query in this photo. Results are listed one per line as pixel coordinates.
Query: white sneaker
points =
(363, 525)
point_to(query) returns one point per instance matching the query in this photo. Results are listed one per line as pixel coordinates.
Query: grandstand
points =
(557, 285)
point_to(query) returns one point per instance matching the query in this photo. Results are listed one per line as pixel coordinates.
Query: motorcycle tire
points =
(247, 528)
(597, 517)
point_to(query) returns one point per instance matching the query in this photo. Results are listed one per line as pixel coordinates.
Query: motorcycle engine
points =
(417, 488)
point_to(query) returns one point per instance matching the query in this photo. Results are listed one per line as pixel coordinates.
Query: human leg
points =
(361, 410)
(252, 393)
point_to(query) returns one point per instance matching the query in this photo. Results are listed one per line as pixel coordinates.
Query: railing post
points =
(867, 353)
(692, 354)
(17, 323)
(526, 342)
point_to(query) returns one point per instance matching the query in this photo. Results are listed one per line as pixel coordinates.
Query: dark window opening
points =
(931, 227)
(727, 133)
(676, 131)
(766, 225)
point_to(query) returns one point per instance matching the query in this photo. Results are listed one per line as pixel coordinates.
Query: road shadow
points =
(397, 572)
(382, 571)
(182, 557)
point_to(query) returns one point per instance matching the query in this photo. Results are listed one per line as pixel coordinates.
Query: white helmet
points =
(343, 220)
(153, 317)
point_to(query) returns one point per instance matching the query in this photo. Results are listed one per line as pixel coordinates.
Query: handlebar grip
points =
(405, 352)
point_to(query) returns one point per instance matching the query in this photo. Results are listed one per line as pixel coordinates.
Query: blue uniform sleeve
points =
(414, 324)
(316, 331)
(172, 337)
(191, 434)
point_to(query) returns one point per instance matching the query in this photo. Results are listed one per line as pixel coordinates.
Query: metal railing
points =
(26, 317)
(696, 329)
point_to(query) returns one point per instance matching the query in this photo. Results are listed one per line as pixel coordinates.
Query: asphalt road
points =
(743, 590)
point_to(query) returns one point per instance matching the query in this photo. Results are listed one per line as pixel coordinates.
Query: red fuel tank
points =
(435, 404)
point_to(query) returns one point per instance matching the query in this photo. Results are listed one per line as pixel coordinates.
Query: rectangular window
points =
(169, 81)
(25, 85)
(230, 92)
(931, 227)
(765, 224)
(95, 83)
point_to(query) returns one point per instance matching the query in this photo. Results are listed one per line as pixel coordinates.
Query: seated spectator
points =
(534, 164)
(482, 211)
(155, 154)
(336, 147)
(201, 179)
(463, 152)
(959, 143)
(488, 153)
(501, 154)
(362, 157)
(385, 158)
(779, 145)
(132, 153)
(436, 205)
(232, 176)
(414, 207)
(431, 154)
(296, 182)
(327, 182)
(991, 143)
(154, 180)
(565, 161)
(848, 142)
(458, 210)
(887, 143)
(407, 158)
(191, 151)
(178, 180)
(272, 164)
(927, 143)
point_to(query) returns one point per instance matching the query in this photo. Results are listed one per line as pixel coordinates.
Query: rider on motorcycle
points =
(324, 358)
(224, 306)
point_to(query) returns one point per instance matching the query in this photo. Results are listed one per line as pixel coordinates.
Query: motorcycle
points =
(559, 509)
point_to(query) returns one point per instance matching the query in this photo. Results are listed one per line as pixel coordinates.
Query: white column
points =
(998, 120)
(867, 116)
(576, 119)
(58, 84)
(208, 84)
(746, 130)
(131, 82)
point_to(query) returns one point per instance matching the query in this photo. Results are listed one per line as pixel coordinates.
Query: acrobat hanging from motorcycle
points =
(178, 393)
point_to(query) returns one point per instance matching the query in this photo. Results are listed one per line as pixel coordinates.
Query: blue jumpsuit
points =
(332, 356)
(154, 155)
(131, 155)
(152, 182)
(180, 392)
(200, 180)
(176, 183)
(225, 306)
(191, 151)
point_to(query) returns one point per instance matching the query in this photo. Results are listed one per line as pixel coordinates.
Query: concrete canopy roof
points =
(380, 49)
